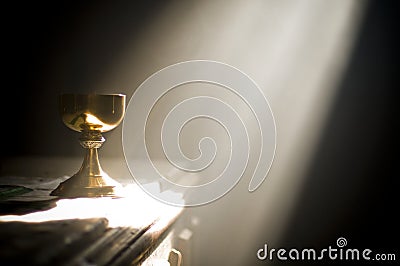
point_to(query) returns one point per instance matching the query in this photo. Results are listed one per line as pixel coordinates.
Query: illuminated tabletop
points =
(38, 229)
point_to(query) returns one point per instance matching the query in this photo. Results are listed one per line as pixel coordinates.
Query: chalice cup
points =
(91, 115)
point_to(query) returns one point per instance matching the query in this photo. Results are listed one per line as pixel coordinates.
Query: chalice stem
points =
(91, 141)
(91, 165)
(90, 180)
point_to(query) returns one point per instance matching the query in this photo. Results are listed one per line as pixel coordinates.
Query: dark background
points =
(353, 182)
(60, 47)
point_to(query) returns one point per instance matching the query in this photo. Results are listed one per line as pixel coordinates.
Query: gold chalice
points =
(90, 114)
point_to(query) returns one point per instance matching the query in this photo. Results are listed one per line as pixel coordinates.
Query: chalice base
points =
(87, 186)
